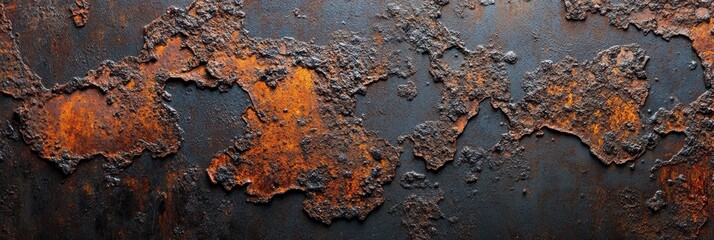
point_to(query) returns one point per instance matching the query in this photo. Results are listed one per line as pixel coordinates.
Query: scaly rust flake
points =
(599, 101)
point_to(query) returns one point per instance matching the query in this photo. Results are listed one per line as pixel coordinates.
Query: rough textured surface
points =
(407, 91)
(666, 18)
(17, 80)
(481, 75)
(301, 132)
(272, 106)
(80, 12)
(116, 111)
(599, 101)
(688, 177)
(419, 213)
(421, 209)
(298, 140)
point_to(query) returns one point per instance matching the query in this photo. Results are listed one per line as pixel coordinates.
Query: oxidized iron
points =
(302, 132)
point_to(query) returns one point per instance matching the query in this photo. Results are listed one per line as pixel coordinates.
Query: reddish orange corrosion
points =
(80, 12)
(688, 178)
(690, 196)
(299, 138)
(298, 146)
(702, 43)
(279, 142)
(691, 19)
(116, 117)
(83, 123)
(581, 100)
(298, 141)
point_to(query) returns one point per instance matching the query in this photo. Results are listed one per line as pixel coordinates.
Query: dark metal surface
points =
(567, 192)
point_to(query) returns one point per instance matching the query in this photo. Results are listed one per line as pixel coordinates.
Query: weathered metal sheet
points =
(356, 119)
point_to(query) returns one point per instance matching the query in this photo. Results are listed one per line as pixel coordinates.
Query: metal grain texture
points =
(501, 174)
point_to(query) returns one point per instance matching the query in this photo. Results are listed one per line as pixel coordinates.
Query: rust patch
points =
(599, 101)
(407, 91)
(691, 19)
(678, 211)
(481, 75)
(421, 209)
(301, 133)
(115, 111)
(419, 213)
(506, 159)
(688, 189)
(688, 177)
(296, 141)
(80, 12)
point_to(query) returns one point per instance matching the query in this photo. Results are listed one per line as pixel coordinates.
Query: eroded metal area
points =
(599, 101)
(284, 101)
(676, 18)
(420, 209)
(17, 79)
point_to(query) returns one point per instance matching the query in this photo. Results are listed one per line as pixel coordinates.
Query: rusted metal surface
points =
(677, 18)
(600, 101)
(327, 103)
(80, 13)
(17, 79)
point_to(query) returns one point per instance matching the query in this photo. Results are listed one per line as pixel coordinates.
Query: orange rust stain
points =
(475, 80)
(579, 99)
(378, 38)
(691, 196)
(688, 178)
(614, 113)
(280, 140)
(282, 118)
(703, 43)
(115, 118)
(617, 113)
(171, 57)
(623, 112)
(84, 123)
